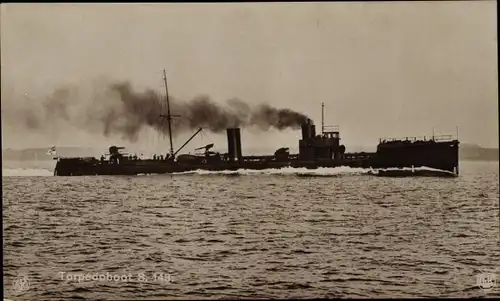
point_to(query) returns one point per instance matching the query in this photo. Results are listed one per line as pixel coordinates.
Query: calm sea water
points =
(332, 233)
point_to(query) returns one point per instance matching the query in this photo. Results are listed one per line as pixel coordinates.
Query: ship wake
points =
(287, 171)
(327, 172)
(319, 172)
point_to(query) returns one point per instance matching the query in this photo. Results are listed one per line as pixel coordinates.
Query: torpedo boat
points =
(408, 156)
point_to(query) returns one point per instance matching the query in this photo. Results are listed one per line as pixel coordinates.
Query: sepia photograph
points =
(250, 150)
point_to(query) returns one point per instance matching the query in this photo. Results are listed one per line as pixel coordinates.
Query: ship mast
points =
(169, 116)
(322, 117)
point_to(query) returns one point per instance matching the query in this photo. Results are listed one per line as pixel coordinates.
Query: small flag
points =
(52, 151)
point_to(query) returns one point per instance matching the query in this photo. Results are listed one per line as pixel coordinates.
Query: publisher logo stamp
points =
(486, 281)
(21, 284)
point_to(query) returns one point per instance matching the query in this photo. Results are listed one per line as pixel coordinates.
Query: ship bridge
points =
(324, 146)
(330, 131)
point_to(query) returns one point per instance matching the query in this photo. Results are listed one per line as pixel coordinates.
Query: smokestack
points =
(234, 144)
(238, 145)
(308, 130)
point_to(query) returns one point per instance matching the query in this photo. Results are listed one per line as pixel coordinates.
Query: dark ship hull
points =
(315, 151)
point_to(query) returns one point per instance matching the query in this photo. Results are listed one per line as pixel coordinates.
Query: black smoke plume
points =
(117, 109)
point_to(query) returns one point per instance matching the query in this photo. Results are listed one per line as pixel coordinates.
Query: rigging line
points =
(160, 104)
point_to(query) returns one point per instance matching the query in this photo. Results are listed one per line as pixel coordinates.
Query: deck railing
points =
(418, 138)
(330, 128)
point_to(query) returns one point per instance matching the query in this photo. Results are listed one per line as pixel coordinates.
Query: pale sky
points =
(382, 68)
